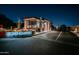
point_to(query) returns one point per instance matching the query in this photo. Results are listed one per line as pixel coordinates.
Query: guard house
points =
(36, 24)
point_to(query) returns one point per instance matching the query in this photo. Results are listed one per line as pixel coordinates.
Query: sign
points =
(19, 34)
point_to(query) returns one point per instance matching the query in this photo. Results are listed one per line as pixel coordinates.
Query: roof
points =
(35, 17)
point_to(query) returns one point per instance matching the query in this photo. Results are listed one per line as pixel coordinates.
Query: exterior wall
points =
(75, 28)
(36, 24)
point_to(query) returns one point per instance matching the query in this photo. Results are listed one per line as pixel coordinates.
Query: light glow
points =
(18, 34)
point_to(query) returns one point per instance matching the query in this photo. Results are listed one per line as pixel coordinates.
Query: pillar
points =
(40, 26)
(30, 25)
(19, 24)
(78, 28)
(46, 26)
(25, 24)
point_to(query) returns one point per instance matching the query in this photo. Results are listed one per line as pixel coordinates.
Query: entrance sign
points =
(19, 34)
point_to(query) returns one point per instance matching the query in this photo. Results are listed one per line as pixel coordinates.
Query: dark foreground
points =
(50, 43)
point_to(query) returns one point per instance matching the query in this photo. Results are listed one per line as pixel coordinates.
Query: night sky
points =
(57, 14)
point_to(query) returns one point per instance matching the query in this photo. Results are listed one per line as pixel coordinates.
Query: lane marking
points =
(58, 36)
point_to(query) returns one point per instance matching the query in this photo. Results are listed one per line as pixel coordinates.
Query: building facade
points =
(36, 24)
(75, 28)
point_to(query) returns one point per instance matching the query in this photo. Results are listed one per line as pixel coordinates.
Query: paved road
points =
(51, 43)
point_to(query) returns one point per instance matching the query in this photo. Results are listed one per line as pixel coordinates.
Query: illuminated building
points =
(32, 25)
(75, 28)
(36, 24)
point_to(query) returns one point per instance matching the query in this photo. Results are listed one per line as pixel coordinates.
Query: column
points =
(48, 26)
(25, 24)
(19, 24)
(40, 26)
(30, 24)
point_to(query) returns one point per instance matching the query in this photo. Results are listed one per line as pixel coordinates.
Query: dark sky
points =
(58, 14)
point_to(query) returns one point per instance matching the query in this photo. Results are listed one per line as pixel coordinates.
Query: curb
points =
(39, 33)
(76, 34)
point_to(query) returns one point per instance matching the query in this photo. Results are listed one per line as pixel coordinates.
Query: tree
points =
(62, 27)
(5, 21)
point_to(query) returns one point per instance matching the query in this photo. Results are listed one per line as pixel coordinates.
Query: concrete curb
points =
(77, 34)
(39, 33)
